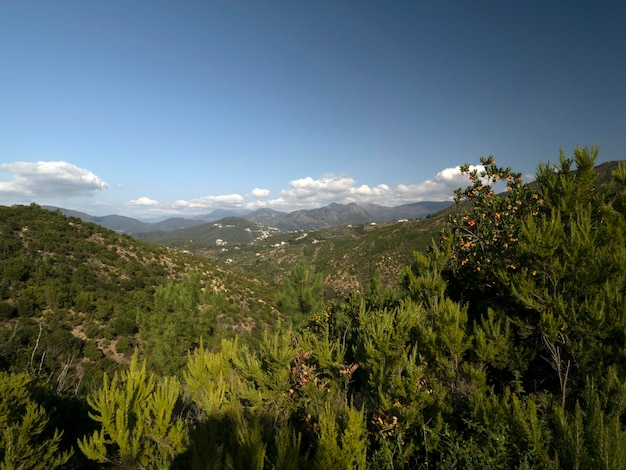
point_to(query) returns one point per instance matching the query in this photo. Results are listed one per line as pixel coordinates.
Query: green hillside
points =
(76, 294)
(347, 256)
(227, 231)
(501, 346)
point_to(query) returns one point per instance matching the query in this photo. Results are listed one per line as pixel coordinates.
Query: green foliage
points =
(498, 431)
(138, 425)
(124, 345)
(301, 293)
(273, 407)
(591, 438)
(181, 316)
(124, 324)
(548, 314)
(494, 346)
(503, 346)
(76, 279)
(91, 351)
(25, 441)
(378, 295)
(566, 189)
(483, 238)
(341, 450)
(7, 310)
(241, 415)
(92, 330)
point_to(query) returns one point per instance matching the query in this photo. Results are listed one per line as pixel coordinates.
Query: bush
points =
(124, 345)
(7, 310)
(91, 351)
(92, 330)
(123, 325)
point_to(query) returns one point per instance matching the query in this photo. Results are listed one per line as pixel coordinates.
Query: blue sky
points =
(148, 108)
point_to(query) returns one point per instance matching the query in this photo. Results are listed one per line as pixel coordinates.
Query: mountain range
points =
(330, 216)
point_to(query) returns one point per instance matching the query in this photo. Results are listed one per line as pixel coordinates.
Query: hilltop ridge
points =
(305, 219)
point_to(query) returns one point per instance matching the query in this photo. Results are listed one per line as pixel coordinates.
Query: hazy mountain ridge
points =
(306, 219)
(129, 225)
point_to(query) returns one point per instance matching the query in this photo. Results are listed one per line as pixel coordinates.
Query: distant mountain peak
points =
(332, 215)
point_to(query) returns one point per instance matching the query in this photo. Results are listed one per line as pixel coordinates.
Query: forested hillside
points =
(503, 345)
(78, 295)
(347, 257)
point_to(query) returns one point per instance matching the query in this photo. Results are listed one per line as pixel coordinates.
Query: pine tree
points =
(243, 405)
(548, 317)
(139, 427)
(24, 440)
(341, 450)
(302, 292)
(182, 315)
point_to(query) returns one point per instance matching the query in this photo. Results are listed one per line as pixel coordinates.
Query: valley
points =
(491, 331)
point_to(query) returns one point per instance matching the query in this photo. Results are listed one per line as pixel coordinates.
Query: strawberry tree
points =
(486, 226)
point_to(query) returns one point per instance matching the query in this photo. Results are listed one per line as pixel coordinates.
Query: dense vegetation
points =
(503, 346)
(75, 299)
(347, 256)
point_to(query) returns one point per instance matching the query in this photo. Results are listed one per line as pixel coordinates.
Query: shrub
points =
(92, 329)
(124, 345)
(91, 351)
(7, 310)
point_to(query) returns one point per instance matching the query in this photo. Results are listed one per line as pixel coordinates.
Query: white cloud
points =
(49, 179)
(256, 192)
(365, 190)
(308, 193)
(143, 201)
(279, 204)
(439, 188)
(60, 179)
(328, 184)
(211, 202)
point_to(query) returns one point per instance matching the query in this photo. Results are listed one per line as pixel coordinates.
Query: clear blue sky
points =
(145, 108)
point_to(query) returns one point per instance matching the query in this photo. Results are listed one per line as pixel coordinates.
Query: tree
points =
(139, 424)
(302, 291)
(182, 314)
(24, 443)
(345, 450)
(484, 232)
(548, 314)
